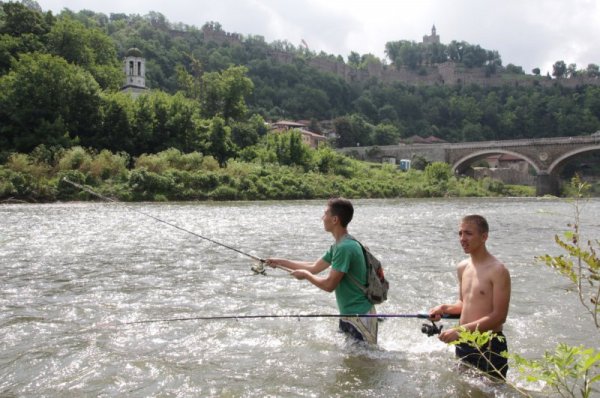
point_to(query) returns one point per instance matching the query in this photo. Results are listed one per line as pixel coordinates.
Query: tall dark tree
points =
(592, 70)
(220, 145)
(224, 94)
(559, 69)
(18, 19)
(45, 100)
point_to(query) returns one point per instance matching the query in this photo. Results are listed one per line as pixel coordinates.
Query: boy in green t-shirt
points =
(345, 256)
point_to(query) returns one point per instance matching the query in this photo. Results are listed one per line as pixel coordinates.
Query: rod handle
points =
(425, 315)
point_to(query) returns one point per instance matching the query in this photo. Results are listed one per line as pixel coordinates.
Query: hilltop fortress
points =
(447, 73)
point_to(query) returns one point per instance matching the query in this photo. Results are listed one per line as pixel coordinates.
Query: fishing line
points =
(273, 316)
(88, 190)
(426, 328)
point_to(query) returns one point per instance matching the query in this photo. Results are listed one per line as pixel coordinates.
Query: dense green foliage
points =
(239, 79)
(280, 169)
(59, 80)
(412, 55)
(60, 77)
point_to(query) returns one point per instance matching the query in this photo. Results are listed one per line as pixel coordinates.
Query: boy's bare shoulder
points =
(463, 264)
(498, 268)
(497, 263)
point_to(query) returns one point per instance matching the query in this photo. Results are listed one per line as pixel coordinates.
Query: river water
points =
(72, 274)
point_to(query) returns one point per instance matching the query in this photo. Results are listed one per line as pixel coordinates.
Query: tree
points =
(310, 101)
(45, 100)
(493, 58)
(592, 71)
(354, 59)
(88, 48)
(224, 93)
(67, 39)
(345, 134)
(220, 145)
(245, 134)
(437, 172)
(298, 151)
(353, 130)
(404, 53)
(435, 53)
(385, 134)
(32, 5)
(410, 55)
(517, 70)
(572, 70)
(190, 83)
(365, 106)
(10, 47)
(473, 56)
(456, 50)
(182, 124)
(18, 19)
(536, 71)
(559, 69)
(116, 132)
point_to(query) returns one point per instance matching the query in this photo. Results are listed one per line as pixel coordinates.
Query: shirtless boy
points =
(484, 295)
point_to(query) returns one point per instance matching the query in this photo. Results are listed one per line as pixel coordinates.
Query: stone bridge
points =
(545, 155)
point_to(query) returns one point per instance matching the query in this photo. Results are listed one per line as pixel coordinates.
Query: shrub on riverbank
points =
(172, 175)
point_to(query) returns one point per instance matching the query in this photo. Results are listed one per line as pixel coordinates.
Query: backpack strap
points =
(353, 279)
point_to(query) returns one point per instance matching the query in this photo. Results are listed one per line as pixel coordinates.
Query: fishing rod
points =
(259, 268)
(427, 329)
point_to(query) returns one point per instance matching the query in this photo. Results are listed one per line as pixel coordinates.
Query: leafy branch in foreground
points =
(581, 264)
(571, 369)
(567, 370)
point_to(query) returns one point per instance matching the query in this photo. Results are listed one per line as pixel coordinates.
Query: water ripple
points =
(74, 274)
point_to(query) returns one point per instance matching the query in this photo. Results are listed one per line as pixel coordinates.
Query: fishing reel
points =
(259, 268)
(431, 330)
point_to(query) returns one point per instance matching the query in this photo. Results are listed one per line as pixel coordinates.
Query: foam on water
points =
(73, 274)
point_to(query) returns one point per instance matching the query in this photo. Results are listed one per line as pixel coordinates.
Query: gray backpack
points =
(377, 286)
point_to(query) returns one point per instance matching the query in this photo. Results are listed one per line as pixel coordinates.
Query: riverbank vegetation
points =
(264, 171)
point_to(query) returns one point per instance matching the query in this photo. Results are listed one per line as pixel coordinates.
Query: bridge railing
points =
(494, 144)
(519, 142)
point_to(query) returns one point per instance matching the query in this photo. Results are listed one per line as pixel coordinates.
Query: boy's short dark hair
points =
(342, 208)
(478, 220)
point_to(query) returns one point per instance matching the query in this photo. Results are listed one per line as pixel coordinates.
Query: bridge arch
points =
(470, 158)
(567, 156)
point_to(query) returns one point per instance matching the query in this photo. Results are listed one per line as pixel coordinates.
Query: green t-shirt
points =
(347, 257)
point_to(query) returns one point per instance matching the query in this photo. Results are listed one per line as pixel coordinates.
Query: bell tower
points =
(135, 72)
(433, 39)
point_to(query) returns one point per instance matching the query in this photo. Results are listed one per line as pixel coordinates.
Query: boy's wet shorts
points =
(362, 329)
(491, 362)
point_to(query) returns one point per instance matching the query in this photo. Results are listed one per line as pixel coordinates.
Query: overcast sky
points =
(526, 33)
